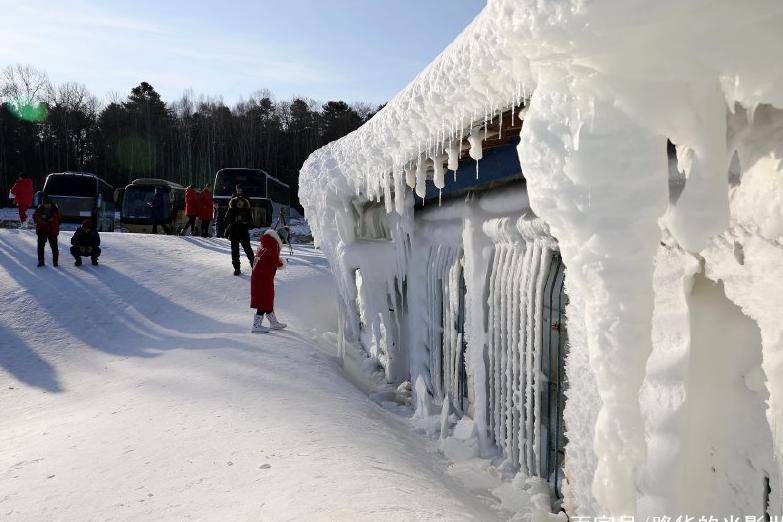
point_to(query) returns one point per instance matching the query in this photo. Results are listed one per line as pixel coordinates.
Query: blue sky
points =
(355, 50)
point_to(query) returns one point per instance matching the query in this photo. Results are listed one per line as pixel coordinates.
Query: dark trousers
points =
(156, 222)
(205, 227)
(244, 240)
(42, 239)
(92, 252)
(191, 224)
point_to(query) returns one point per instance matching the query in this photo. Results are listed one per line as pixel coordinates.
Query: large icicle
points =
(525, 436)
(607, 225)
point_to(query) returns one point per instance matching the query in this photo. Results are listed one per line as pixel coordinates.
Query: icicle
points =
(410, 175)
(438, 171)
(421, 179)
(534, 358)
(751, 112)
(524, 353)
(440, 196)
(476, 151)
(477, 170)
(516, 412)
(399, 190)
(387, 195)
(499, 346)
(507, 311)
(452, 152)
(500, 128)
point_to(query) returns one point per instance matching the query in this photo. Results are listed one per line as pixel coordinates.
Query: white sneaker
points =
(257, 326)
(274, 324)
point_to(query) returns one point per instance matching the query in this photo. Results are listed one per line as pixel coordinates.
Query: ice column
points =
(600, 181)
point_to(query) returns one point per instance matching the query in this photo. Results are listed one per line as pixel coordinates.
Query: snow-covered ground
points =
(133, 390)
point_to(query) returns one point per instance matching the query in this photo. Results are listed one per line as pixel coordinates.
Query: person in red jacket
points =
(192, 209)
(47, 228)
(205, 212)
(23, 196)
(262, 282)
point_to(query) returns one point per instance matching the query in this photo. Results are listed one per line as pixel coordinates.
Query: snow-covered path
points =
(132, 391)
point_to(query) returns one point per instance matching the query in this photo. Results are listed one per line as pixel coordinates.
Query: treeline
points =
(46, 128)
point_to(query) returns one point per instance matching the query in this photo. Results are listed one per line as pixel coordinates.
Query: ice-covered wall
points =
(608, 82)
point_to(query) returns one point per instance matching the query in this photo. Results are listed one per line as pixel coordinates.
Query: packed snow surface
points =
(133, 390)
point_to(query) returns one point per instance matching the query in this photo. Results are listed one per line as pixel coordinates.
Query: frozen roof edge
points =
(488, 69)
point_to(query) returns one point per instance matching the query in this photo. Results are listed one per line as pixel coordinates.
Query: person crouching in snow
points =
(262, 282)
(85, 242)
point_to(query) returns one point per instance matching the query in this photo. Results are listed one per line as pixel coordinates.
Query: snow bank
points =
(604, 84)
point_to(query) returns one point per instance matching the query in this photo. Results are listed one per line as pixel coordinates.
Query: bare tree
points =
(23, 85)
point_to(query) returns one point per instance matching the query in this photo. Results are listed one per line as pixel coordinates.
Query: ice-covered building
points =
(512, 234)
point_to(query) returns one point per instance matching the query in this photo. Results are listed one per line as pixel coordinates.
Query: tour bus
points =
(268, 196)
(79, 196)
(136, 214)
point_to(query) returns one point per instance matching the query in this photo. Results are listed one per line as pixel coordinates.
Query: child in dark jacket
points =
(86, 242)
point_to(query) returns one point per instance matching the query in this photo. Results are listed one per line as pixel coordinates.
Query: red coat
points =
(48, 225)
(205, 213)
(262, 280)
(192, 202)
(23, 192)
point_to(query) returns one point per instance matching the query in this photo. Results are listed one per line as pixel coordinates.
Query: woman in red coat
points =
(22, 191)
(47, 228)
(192, 208)
(262, 282)
(205, 210)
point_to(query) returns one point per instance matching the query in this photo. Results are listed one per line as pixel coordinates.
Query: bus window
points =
(278, 193)
(253, 183)
(134, 203)
(71, 186)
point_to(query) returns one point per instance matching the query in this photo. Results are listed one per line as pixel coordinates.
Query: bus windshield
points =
(253, 183)
(71, 186)
(134, 202)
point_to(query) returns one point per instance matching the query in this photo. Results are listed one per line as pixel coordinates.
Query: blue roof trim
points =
(498, 165)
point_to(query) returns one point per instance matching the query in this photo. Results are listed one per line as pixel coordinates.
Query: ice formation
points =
(604, 85)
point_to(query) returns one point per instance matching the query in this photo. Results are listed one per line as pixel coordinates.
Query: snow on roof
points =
(514, 45)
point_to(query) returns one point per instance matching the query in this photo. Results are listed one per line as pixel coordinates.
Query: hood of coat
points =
(273, 234)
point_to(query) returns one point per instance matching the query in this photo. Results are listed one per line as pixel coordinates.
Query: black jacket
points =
(238, 220)
(84, 238)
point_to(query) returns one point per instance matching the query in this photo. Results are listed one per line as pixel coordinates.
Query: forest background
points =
(47, 128)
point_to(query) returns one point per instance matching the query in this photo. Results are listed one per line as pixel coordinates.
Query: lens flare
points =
(35, 112)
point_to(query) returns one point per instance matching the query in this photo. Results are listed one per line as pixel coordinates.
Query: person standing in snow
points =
(86, 242)
(205, 212)
(238, 219)
(192, 209)
(47, 228)
(262, 282)
(160, 210)
(22, 191)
